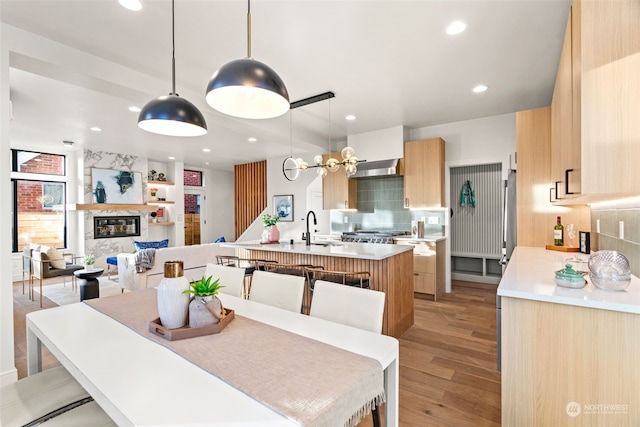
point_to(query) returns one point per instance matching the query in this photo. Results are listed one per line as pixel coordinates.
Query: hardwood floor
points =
(448, 375)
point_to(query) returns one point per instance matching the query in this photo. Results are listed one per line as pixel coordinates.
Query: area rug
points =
(62, 294)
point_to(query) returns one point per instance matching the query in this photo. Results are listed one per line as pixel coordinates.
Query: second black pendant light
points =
(171, 114)
(248, 88)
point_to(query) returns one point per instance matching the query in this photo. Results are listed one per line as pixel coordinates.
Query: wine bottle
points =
(558, 234)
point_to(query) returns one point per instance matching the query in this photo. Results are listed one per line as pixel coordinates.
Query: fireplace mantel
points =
(110, 207)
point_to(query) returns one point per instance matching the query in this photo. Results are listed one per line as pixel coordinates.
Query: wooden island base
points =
(392, 275)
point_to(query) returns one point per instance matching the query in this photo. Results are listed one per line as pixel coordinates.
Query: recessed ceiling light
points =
(134, 109)
(131, 4)
(95, 129)
(350, 117)
(206, 163)
(206, 150)
(480, 88)
(252, 139)
(171, 158)
(456, 27)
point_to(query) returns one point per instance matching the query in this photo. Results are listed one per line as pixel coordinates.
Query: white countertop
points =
(530, 274)
(433, 239)
(375, 251)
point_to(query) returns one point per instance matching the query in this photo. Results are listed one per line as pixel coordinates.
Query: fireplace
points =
(106, 227)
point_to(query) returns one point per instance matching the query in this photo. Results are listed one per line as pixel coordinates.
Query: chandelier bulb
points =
(350, 169)
(333, 165)
(317, 159)
(347, 153)
(322, 172)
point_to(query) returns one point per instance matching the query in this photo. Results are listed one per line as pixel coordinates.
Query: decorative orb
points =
(348, 152)
(350, 169)
(322, 172)
(353, 160)
(317, 159)
(333, 165)
(303, 166)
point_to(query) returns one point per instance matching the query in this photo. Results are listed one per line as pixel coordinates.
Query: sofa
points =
(195, 259)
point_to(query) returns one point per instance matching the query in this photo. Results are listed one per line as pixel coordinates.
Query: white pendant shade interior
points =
(171, 114)
(247, 88)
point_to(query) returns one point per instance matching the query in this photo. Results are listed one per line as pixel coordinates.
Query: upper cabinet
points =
(610, 89)
(596, 135)
(565, 118)
(424, 173)
(338, 191)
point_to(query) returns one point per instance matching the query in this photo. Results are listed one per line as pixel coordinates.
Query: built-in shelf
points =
(162, 223)
(160, 183)
(160, 202)
(109, 207)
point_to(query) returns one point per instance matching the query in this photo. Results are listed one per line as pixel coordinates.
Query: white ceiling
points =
(388, 62)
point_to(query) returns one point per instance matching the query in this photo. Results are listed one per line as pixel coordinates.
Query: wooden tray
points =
(562, 248)
(186, 332)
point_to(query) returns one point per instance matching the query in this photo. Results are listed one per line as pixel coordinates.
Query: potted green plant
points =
(272, 234)
(89, 260)
(205, 307)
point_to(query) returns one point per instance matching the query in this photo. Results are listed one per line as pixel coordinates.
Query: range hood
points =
(377, 168)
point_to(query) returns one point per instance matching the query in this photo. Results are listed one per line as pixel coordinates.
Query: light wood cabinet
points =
(596, 131)
(564, 365)
(610, 90)
(424, 173)
(428, 267)
(565, 138)
(338, 191)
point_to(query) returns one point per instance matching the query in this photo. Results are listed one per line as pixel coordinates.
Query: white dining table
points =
(139, 382)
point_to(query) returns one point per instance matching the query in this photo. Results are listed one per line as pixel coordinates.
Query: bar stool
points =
(249, 266)
(358, 279)
(294, 270)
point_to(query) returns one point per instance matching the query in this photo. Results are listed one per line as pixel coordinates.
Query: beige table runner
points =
(312, 383)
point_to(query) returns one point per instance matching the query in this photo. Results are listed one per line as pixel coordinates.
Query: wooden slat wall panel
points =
(393, 276)
(250, 185)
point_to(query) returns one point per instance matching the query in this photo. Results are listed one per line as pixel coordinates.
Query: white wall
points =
(219, 191)
(8, 372)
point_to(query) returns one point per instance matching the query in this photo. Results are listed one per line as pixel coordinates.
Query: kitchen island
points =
(390, 267)
(569, 356)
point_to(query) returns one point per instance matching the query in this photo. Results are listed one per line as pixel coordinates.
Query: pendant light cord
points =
(248, 28)
(173, 48)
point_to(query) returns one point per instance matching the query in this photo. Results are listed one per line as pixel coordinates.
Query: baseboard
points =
(8, 377)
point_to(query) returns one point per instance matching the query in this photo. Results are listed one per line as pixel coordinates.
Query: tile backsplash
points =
(610, 215)
(380, 202)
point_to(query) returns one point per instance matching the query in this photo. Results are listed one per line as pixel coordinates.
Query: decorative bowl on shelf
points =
(569, 278)
(609, 270)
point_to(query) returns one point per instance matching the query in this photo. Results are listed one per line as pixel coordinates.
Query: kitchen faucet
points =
(307, 235)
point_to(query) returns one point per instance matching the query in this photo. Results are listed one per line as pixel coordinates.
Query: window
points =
(192, 178)
(38, 205)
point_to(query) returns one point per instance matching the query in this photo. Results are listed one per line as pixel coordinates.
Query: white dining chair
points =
(52, 395)
(349, 305)
(232, 278)
(279, 290)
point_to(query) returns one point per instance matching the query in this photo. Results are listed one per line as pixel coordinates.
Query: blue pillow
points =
(220, 239)
(155, 245)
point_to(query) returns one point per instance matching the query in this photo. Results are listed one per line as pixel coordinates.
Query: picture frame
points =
(283, 206)
(116, 186)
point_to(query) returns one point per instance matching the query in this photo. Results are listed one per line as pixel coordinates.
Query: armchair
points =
(44, 267)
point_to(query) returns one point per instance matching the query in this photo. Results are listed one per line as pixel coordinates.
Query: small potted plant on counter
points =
(205, 308)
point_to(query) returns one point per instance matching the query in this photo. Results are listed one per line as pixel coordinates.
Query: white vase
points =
(173, 303)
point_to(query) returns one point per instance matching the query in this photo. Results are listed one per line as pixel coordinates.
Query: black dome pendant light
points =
(247, 88)
(170, 114)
